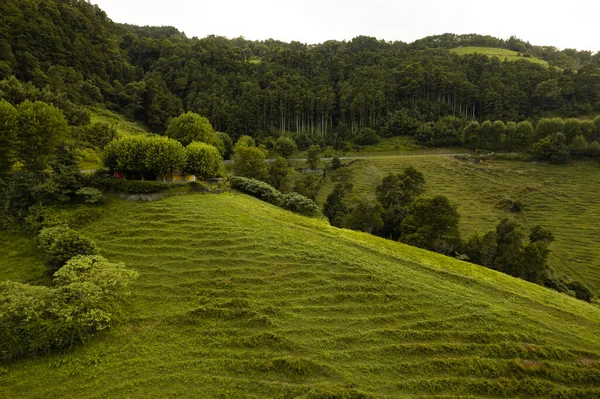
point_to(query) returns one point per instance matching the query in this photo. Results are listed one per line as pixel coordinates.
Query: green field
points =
(561, 198)
(240, 299)
(501, 53)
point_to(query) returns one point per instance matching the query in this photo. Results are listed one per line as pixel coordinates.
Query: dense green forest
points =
(326, 93)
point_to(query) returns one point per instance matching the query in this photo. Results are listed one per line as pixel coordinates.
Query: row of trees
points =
(145, 156)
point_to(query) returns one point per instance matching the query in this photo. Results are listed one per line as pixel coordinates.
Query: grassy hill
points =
(240, 299)
(561, 198)
(501, 53)
(89, 157)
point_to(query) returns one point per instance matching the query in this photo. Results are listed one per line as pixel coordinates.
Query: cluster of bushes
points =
(81, 302)
(263, 191)
(146, 156)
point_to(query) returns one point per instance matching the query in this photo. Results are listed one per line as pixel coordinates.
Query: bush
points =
(40, 319)
(258, 189)
(300, 204)
(336, 163)
(136, 186)
(581, 291)
(92, 195)
(62, 243)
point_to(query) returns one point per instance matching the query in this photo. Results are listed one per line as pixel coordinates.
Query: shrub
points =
(92, 195)
(336, 163)
(581, 291)
(300, 204)
(258, 189)
(40, 319)
(62, 243)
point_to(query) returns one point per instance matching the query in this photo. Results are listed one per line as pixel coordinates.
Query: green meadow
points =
(240, 299)
(562, 198)
(501, 53)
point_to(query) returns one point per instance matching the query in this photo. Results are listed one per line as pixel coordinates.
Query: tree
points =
(432, 223)
(244, 141)
(100, 134)
(41, 127)
(190, 127)
(203, 160)
(548, 126)
(250, 162)
(509, 239)
(365, 216)
(286, 146)
(164, 156)
(524, 136)
(313, 156)
(579, 145)
(278, 170)
(225, 145)
(553, 148)
(8, 137)
(335, 208)
(471, 135)
(396, 193)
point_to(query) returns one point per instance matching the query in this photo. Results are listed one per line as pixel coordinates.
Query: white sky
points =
(563, 24)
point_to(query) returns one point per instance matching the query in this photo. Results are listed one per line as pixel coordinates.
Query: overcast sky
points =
(564, 24)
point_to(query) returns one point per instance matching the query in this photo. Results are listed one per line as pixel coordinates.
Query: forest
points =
(325, 94)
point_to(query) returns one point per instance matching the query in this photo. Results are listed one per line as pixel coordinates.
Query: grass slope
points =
(501, 53)
(89, 157)
(561, 198)
(240, 299)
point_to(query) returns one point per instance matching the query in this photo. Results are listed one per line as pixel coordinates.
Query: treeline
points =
(324, 94)
(553, 139)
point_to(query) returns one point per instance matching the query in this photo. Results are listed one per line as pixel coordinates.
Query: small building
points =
(175, 177)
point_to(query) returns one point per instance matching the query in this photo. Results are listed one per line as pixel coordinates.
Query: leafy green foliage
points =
(225, 145)
(278, 170)
(313, 156)
(249, 162)
(190, 127)
(61, 244)
(552, 148)
(336, 208)
(203, 160)
(258, 189)
(396, 193)
(36, 319)
(285, 146)
(300, 204)
(365, 216)
(432, 223)
(91, 195)
(141, 155)
(41, 127)
(164, 156)
(8, 136)
(100, 134)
